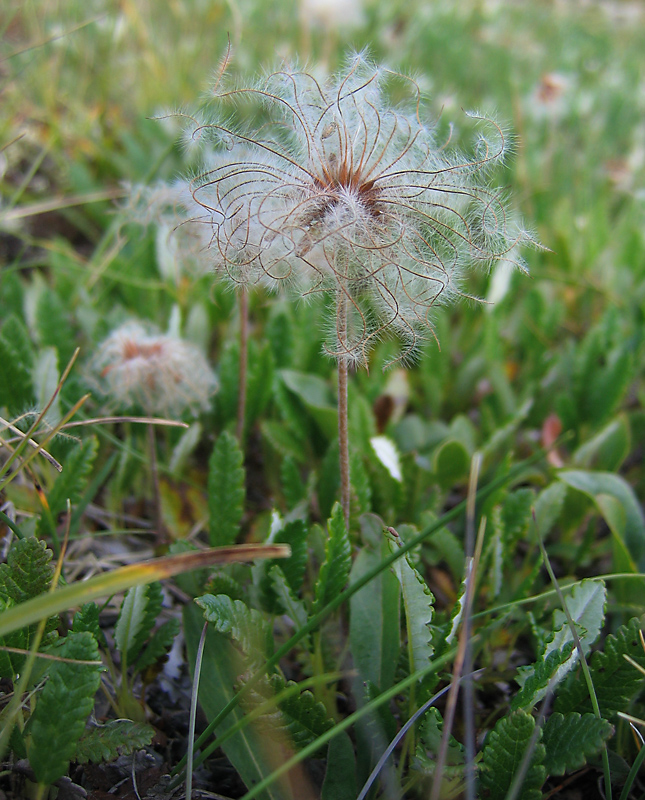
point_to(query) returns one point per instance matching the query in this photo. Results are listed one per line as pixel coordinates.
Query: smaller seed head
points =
(162, 374)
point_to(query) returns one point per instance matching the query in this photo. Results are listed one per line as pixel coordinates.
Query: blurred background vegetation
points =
(89, 93)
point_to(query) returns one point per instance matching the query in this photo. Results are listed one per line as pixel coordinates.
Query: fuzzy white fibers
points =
(335, 190)
(162, 374)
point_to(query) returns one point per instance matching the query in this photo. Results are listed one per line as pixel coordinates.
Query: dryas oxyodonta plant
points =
(334, 190)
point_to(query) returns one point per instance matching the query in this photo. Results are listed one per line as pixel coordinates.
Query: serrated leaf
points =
(586, 606)
(16, 387)
(504, 751)
(280, 335)
(225, 490)
(222, 582)
(139, 610)
(516, 516)
(293, 488)
(87, 619)
(154, 601)
(361, 487)
(570, 740)
(299, 717)
(260, 383)
(615, 680)
(429, 742)
(27, 574)
(28, 571)
(63, 706)
(294, 534)
(536, 678)
(457, 611)
(418, 602)
(227, 396)
(15, 333)
(72, 480)
(252, 755)
(334, 571)
(118, 737)
(53, 325)
(286, 599)
(160, 643)
(235, 620)
(328, 480)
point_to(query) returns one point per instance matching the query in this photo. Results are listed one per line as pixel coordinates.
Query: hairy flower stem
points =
(244, 357)
(343, 433)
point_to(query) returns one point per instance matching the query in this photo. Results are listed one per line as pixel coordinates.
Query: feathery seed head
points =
(338, 192)
(162, 374)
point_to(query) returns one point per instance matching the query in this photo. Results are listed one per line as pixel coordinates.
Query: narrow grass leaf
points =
(118, 580)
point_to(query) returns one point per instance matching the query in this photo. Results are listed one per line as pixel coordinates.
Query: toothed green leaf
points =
(15, 333)
(71, 482)
(516, 516)
(245, 626)
(27, 573)
(53, 325)
(293, 488)
(429, 743)
(299, 717)
(586, 606)
(63, 706)
(139, 612)
(16, 386)
(418, 602)
(535, 679)
(293, 568)
(158, 646)
(503, 754)
(221, 582)
(287, 601)
(87, 619)
(260, 383)
(154, 600)
(334, 571)
(615, 680)
(225, 490)
(571, 739)
(118, 737)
